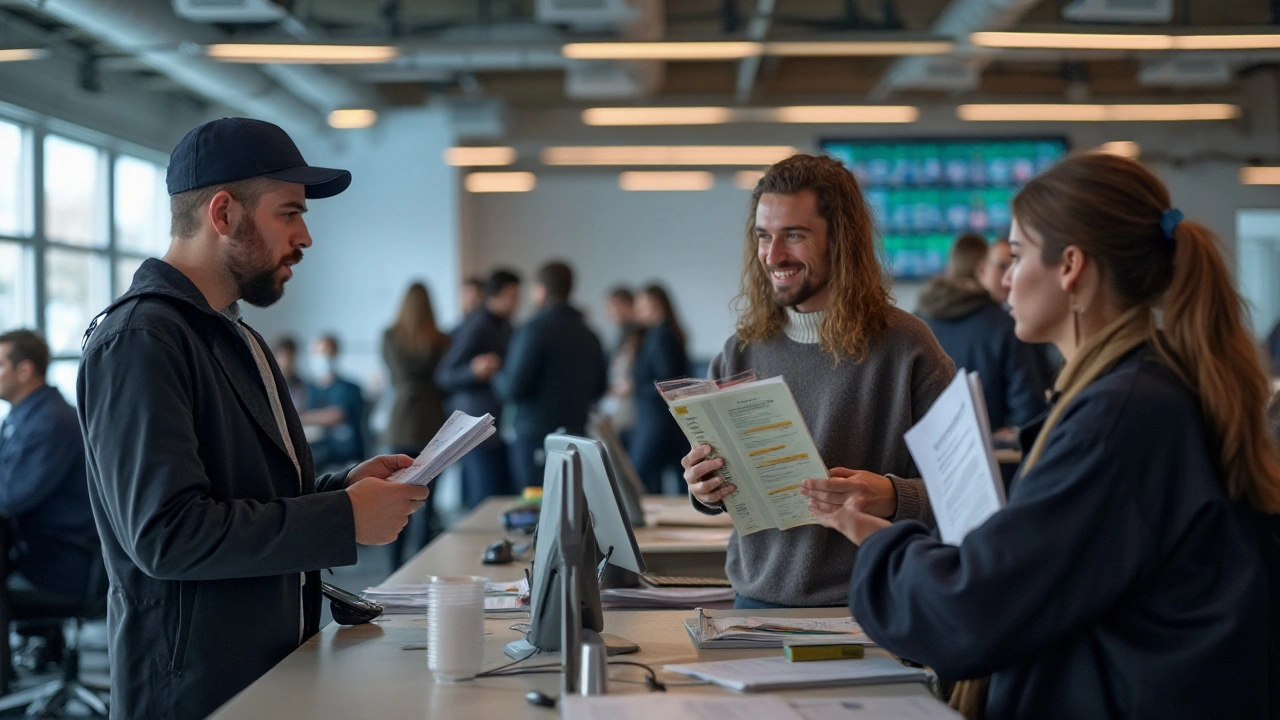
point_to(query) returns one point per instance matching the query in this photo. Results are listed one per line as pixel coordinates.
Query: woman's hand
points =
(699, 472)
(871, 493)
(848, 520)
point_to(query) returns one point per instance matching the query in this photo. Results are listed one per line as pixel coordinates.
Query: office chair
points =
(52, 698)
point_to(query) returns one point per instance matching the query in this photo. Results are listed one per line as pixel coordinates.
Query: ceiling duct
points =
(959, 20)
(229, 11)
(1187, 71)
(1119, 11)
(586, 15)
(614, 79)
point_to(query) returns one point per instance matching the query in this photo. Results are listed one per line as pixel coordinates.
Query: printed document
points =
(457, 437)
(767, 449)
(952, 448)
(730, 629)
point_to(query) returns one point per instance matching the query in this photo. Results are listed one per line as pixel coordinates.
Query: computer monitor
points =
(580, 493)
(630, 486)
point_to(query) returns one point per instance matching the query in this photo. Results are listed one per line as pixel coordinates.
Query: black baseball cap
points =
(231, 149)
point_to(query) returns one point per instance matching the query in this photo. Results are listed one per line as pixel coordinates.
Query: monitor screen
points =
(925, 192)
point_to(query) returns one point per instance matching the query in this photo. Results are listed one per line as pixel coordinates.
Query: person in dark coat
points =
(657, 443)
(412, 349)
(214, 525)
(977, 333)
(555, 371)
(475, 354)
(1126, 576)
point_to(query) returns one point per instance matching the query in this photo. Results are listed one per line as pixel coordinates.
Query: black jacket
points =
(978, 335)
(1119, 582)
(480, 332)
(204, 520)
(553, 373)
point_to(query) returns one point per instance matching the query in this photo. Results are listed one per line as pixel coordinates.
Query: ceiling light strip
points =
(1124, 41)
(728, 50)
(652, 181)
(480, 156)
(674, 155)
(812, 114)
(21, 54)
(302, 54)
(858, 48)
(496, 182)
(352, 118)
(1260, 175)
(1027, 112)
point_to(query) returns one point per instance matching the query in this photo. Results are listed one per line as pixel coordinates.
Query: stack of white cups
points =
(455, 626)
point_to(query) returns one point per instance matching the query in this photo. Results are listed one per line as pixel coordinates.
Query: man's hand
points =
(869, 493)
(379, 467)
(485, 366)
(382, 508)
(699, 472)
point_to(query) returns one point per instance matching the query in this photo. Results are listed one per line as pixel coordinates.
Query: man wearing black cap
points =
(213, 521)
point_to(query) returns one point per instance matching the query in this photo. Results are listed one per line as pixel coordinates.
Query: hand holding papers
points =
(757, 429)
(457, 437)
(952, 447)
(709, 630)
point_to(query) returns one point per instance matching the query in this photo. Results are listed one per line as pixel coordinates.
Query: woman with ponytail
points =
(1125, 578)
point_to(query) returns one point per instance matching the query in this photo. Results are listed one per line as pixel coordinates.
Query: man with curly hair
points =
(815, 309)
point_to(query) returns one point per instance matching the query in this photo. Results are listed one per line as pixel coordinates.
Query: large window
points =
(77, 218)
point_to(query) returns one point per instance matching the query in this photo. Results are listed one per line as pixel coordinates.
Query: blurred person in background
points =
(336, 405)
(44, 493)
(657, 443)
(466, 375)
(554, 372)
(285, 348)
(977, 333)
(412, 349)
(471, 295)
(619, 403)
(990, 273)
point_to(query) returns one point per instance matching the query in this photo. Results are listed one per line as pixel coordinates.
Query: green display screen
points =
(926, 192)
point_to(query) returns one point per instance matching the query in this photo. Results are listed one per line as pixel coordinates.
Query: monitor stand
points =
(614, 645)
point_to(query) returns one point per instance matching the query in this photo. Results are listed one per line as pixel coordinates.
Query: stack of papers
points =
(674, 706)
(714, 630)
(666, 597)
(457, 437)
(412, 599)
(776, 673)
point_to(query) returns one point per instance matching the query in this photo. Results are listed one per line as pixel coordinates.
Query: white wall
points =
(692, 241)
(397, 223)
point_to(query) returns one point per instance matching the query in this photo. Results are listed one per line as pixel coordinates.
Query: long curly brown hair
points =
(857, 290)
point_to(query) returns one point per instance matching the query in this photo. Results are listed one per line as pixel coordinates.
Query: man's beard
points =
(795, 296)
(251, 267)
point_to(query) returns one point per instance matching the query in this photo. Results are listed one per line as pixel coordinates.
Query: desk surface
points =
(364, 671)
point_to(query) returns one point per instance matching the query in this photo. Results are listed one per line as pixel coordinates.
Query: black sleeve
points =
(453, 374)
(1025, 386)
(136, 413)
(522, 366)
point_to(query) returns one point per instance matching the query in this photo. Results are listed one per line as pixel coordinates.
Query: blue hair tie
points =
(1169, 220)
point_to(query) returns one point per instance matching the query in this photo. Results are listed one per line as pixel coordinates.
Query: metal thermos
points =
(594, 678)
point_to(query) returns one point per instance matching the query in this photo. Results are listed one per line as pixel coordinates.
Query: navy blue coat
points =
(983, 341)
(44, 493)
(207, 526)
(481, 332)
(657, 441)
(553, 373)
(1119, 582)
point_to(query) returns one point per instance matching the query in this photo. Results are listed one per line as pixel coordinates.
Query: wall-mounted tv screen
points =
(925, 192)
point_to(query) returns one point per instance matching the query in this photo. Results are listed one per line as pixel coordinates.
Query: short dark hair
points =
(967, 254)
(185, 207)
(27, 345)
(285, 343)
(557, 278)
(499, 280)
(332, 341)
(621, 293)
(474, 281)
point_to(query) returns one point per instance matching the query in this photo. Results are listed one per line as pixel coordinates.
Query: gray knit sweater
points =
(857, 413)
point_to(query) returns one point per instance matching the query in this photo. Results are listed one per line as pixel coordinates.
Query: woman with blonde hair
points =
(412, 348)
(1126, 577)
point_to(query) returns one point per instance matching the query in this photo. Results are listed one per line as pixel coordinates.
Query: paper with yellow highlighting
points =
(757, 429)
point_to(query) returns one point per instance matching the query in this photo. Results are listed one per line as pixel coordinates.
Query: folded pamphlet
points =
(952, 448)
(710, 630)
(459, 435)
(756, 427)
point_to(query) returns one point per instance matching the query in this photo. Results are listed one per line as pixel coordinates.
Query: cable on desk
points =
(500, 668)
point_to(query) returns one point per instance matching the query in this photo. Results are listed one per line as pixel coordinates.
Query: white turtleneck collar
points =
(803, 327)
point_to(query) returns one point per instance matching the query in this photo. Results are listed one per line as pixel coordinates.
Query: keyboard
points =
(684, 581)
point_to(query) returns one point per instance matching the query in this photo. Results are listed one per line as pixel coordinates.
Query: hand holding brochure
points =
(457, 437)
(952, 447)
(756, 427)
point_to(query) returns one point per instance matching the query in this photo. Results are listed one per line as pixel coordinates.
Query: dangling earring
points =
(1076, 309)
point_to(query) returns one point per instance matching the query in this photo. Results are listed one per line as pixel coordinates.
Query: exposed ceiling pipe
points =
(149, 29)
(320, 89)
(959, 20)
(749, 67)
